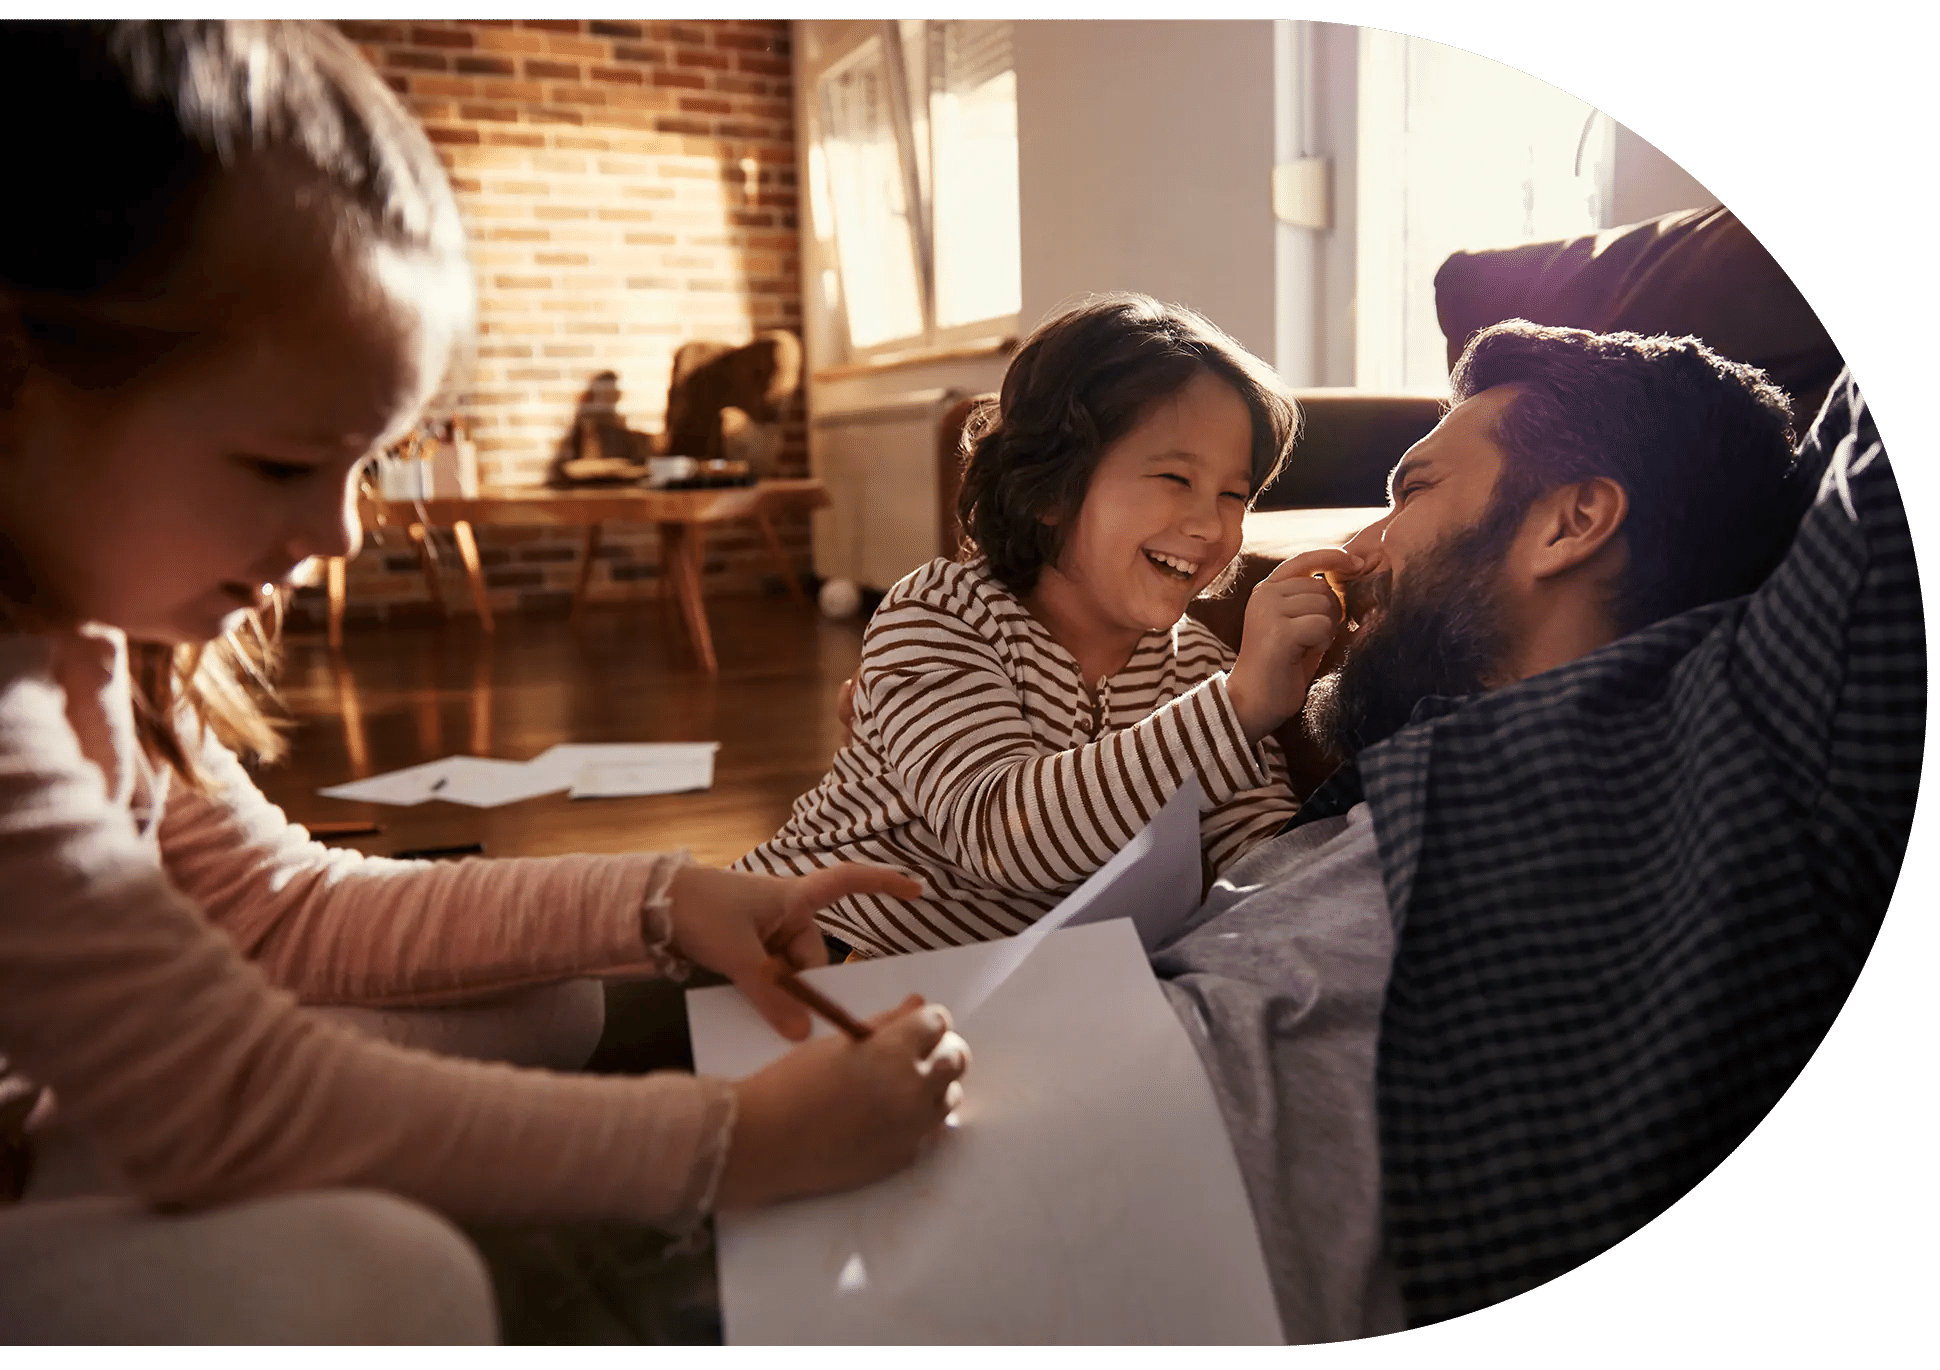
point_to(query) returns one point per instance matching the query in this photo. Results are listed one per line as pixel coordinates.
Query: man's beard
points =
(1441, 633)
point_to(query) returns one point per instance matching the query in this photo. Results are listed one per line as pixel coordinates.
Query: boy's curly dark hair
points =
(1080, 383)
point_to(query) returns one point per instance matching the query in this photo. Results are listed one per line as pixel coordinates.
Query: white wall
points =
(1145, 163)
(1645, 183)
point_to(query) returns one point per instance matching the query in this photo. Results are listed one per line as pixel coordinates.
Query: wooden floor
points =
(398, 695)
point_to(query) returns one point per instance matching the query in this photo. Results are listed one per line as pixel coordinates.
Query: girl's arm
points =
(340, 927)
(940, 701)
(202, 1083)
(1228, 831)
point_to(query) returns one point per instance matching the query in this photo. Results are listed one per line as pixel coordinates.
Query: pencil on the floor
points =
(783, 977)
(343, 827)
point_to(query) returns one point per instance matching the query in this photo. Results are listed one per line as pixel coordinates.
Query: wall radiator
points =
(878, 460)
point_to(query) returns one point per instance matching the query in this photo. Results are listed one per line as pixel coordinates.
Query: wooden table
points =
(682, 516)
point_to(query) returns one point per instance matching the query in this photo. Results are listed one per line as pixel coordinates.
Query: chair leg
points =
(779, 558)
(587, 551)
(428, 566)
(461, 533)
(334, 572)
(681, 554)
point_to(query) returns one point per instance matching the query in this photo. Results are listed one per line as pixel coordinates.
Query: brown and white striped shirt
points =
(980, 761)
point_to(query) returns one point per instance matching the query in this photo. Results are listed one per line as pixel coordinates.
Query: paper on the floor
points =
(1088, 1195)
(484, 783)
(592, 770)
(1153, 880)
(478, 781)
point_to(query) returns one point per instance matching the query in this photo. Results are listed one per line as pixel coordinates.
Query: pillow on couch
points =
(1697, 271)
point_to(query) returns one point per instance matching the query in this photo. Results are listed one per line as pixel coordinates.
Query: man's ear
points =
(1575, 524)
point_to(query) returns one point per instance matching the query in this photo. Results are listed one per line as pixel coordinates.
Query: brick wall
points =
(628, 187)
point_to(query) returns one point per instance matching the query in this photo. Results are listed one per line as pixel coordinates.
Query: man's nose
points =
(1367, 544)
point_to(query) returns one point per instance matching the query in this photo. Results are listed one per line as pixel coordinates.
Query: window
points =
(912, 167)
(1456, 152)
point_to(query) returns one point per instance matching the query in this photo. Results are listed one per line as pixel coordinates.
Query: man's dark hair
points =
(1079, 384)
(1701, 445)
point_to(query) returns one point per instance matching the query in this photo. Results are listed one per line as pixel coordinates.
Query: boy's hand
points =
(845, 709)
(1292, 618)
(732, 921)
(835, 1114)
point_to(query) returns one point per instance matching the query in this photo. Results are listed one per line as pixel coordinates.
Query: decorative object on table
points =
(839, 599)
(726, 403)
(697, 473)
(434, 460)
(600, 449)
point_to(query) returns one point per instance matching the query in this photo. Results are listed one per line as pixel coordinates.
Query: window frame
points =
(839, 42)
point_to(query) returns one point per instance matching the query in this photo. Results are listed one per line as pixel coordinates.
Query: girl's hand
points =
(835, 1114)
(732, 921)
(1292, 618)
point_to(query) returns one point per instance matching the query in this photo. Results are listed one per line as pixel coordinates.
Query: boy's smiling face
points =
(165, 506)
(1161, 518)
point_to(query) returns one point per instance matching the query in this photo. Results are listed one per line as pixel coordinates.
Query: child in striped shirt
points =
(1022, 711)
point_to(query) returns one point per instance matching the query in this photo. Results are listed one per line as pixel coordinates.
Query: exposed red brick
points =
(415, 61)
(441, 38)
(751, 42)
(362, 31)
(604, 237)
(713, 60)
(551, 25)
(449, 86)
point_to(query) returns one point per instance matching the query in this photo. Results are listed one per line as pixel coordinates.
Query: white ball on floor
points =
(839, 598)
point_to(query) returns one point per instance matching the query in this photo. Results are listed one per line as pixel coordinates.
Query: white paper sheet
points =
(1089, 1194)
(1153, 880)
(484, 782)
(477, 781)
(651, 767)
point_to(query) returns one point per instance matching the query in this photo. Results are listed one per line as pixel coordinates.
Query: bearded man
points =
(1629, 754)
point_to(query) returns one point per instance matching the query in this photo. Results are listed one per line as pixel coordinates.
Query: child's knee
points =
(365, 1267)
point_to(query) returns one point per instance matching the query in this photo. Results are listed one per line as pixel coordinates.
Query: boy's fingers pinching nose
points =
(1320, 561)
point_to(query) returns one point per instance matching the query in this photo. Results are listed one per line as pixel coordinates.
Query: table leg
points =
(428, 566)
(680, 556)
(461, 533)
(334, 573)
(587, 551)
(789, 579)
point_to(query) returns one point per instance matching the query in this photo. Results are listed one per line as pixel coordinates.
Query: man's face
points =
(1426, 616)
